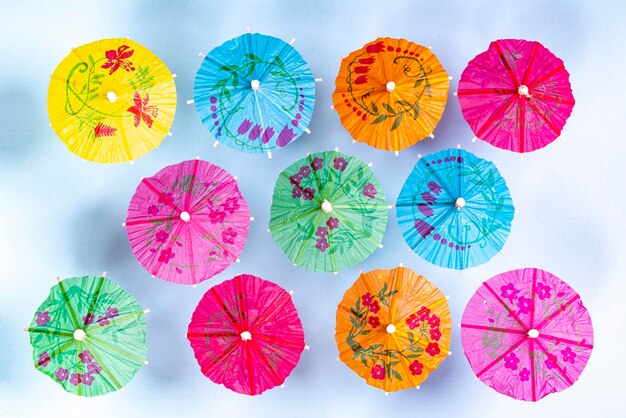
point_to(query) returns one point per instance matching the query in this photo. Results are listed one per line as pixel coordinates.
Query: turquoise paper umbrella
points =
(255, 93)
(455, 209)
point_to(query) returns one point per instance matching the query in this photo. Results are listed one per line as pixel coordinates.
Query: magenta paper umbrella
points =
(188, 222)
(516, 95)
(246, 334)
(527, 334)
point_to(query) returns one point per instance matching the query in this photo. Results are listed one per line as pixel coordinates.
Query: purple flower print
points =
(321, 232)
(42, 318)
(308, 193)
(423, 227)
(434, 187)
(369, 191)
(44, 359)
(75, 379)
(112, 312)
(426, 210)
(255, 132)
(304, 172)
(243, 128)
(231, 205)
(321, 244)
(366, 299)
(524, 375)
(568, 355)
(166, 255)
(543, 291)
(416, 368)
(340, 163)
(94, 368)
(378, 372)
(285, 136)
(435, 334)
(61, 374)
(217, 216)
(509, 292)
(86, 379)
(229, 235)
(161, 236)
(511, 361)
(295, 179)
(88, 319)
(433, 349)
(267, 135)
(374, 307)
(428, 198)
(85, 357)
(153, 210)
(103, 320)
(332, 223)
(317, 163)
(524, 305)
(296, 192)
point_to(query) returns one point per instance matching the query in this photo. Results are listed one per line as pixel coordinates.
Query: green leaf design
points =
(380, 119)
(397, 122)
(389, 109)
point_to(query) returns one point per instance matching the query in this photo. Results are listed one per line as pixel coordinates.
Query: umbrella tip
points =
(386, 393)
(455, 93)
(449, 353)
(248, 29)
(380, 245)
(432, 135)
(104, 274)
(401, 264)
(397, 153)
(419, 156)
(252, 218)
(450, 78)
(174, 75)
(291, 292)
(59, 279)
(201, 55)
(268, 230)
(145, 311)
(282, 386)
(354, 141)
(308, 131)
(332, 107)
(141, 178)
(317, 80)
(459, 325)
(370, 164)
(417, 387)
(335, 273)
(169, 133)
(153, 276)
(269, 155)
(197, 157)
(337, 359)
(26, 329)
(307, 347)
(237, 261)
(235, 177)
(193, 285)
(336, 149)
(192, 101)
(389, 206)
(216, 143)
(123, 223)
(458, 146)
(292, 41)
(146, 362)
(131, 162)
(447, 297)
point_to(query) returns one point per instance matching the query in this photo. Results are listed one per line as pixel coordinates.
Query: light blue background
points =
(62, 216)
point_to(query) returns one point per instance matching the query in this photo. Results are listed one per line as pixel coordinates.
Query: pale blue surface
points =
(61, 215)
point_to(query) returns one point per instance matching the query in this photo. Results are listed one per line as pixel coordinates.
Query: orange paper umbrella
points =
(391, 93)
(393, 328)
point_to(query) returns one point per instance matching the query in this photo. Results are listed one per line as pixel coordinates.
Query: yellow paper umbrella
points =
(391, 93)
(111, 100)
(393, 328)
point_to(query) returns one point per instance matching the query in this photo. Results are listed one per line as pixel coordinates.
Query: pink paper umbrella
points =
(516, 95)
(188, 222)
(527, 334)
(246, 334)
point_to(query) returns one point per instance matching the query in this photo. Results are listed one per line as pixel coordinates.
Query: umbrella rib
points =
(511, 312)
(69, 306)
(147, 221)
(546, 76)
(161, 195)
(565, 340)
(506, 64)
(272, 339)
(495, 115)
(275, 375)
(94, 300)
(57, 351)
(294, 219)
(470, 92)
(531, 61)
(101, 364)
(531, 354)
(49, 332)
(501, 356)
(212, 334)
(486, 328)
(232, 319)
(117, 350)
(246, 350)
(560, 369)
(533, 297)
(521, 122)
(194, 172)
(215, 361)
(117, 321)
(265, 316)
(557, 311)
(550, 98)
(544, 117)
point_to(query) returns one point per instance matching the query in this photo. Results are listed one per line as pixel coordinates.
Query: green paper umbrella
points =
(328, 212)
(89, 335)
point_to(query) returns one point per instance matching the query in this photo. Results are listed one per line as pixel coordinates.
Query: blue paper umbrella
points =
(455, 209)
(255, 93)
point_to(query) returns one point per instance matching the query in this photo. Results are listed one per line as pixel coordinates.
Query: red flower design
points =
(142, 110)
(119, 59)
(332, 223)
(103, 130)
(374, 321)
(366, 299)
(375, 47)
(368, 60)
(416, 367)
(378, 372)
(423, 313)
(374, 307)
(434, 321)
(361, 70)
(433, 349)
(435, 334)
(413, 321)
(361, 79)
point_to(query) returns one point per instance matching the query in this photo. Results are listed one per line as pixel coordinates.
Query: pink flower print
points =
(112, 312)
(423, 313)
(153, 210)
(369, 191)
(374, 307)
(568, 355)
(94, 368)
(424, 228)
(509, 292)
(433, 349)
(87, 379)
(231, 205)
(119, 59)
(75, 379)
(366, 299)
(296, 192)
(543, 291)
(434, 321)
(308, 193)
(166, 255)
(340, 163)
(550, 361)
(161, 236)
(434, 187)
(229, 236)
(267, 135)
(511, 361)
(332, 223)
(416, 368)
(295, 179)
(317, 163)
(217, 216)
(524, 304)
(375, 47)
(44, 359)
(88, 319)
(426, 210)
(142, 110)
(304, 172)
(378, 372)
(243, 128)
(322, 244)
(374, 321)
(103, 320)
(85, 357)
(42, 318)
(255, 132)
(361, 79)
(413, 321)
(524, 375)
(285, 136)
(61, 374)
(435, 334)
(321, 232)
